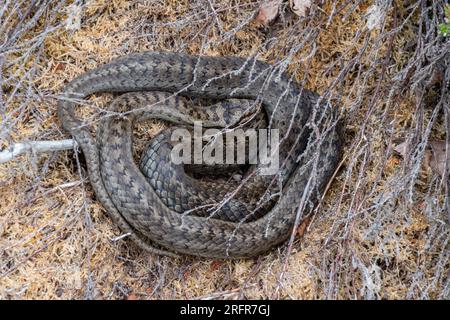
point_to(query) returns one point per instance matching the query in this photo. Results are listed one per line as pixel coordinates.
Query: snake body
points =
(135, 205)
(226, 200)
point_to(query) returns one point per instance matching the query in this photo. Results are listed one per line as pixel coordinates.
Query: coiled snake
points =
(310, 149)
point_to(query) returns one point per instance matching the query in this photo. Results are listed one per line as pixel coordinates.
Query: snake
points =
(310, 150)
(178, 190)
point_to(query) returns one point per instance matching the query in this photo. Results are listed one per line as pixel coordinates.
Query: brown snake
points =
(311, 142)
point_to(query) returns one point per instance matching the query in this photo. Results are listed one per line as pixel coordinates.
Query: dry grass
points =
(381, 231)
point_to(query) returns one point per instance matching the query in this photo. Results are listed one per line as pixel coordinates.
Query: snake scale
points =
(178, 190)
(310, 150)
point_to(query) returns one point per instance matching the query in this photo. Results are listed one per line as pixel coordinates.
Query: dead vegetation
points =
(382, 230)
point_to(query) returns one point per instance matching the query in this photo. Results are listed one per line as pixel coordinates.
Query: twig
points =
(36, 147)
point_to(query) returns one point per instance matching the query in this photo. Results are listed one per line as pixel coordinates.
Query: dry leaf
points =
(268, 12)
(187, 274)
(60, 67)
(436, 157)
(149, 291)
(215, 265)
(302, 227)
(300, 7)
(132, 296)
(401, 148)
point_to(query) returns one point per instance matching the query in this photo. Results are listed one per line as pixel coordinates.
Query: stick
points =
(35, 146)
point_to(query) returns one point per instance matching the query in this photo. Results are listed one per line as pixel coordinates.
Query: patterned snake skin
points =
(310, 149)
(178, 190)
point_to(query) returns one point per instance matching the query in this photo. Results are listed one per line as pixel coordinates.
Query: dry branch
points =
(35, 147)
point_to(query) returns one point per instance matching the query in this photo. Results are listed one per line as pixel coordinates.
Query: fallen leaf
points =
(300, 7)
(302, 227)
(60, 67)
(436, 156)
(215, 265)
(401, 148)
(149, 291)
(132, 296)
(268, 11)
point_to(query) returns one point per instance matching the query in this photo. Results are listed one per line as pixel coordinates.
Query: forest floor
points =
(380, 231)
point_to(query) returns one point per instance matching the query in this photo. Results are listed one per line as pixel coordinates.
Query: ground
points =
(379, 233)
